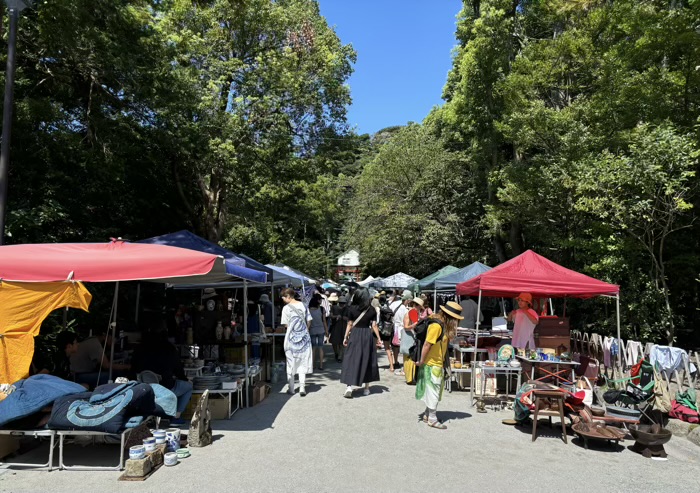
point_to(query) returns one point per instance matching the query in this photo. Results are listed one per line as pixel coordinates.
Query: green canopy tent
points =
(426, 281)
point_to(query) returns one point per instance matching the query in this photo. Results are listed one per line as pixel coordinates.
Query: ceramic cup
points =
(159, 435)
(149, 444)
(174, 432)
(170, 459)
(137, 452)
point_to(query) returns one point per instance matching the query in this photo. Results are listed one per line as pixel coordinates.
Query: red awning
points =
(534, 274)
(106, 262)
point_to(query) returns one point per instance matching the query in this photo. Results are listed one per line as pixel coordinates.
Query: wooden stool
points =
(557, 399)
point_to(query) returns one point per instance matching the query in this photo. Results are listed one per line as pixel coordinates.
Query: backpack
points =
(420, 332)
(386, 320)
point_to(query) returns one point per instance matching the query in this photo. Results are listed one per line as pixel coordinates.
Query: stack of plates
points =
(211, 382)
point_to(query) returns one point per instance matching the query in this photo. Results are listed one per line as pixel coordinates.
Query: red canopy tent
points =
(534, 274)
(108, 262)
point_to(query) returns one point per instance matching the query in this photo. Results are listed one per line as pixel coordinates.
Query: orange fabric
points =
(23, 308)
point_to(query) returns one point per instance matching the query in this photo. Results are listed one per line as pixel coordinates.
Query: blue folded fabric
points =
(134, 421)
(165, 399)
(33, 394)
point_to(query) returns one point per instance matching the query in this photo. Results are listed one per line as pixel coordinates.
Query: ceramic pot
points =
(170, 459)
(137, 452)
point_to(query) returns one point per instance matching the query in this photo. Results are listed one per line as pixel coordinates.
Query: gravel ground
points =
(323, 442)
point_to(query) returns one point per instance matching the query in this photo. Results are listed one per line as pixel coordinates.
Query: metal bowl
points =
(643, 435)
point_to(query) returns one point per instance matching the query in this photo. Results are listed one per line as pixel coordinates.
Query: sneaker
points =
(366, 391)
(290, 391)
(302, 391)
(348, 394)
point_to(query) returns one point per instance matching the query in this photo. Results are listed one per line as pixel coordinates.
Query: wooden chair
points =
(545, 402)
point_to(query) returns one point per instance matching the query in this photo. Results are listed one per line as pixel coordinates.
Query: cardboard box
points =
(218, 406)
(260, 392)
(8, 445)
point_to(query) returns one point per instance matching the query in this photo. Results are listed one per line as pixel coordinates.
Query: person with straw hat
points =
(430, 369)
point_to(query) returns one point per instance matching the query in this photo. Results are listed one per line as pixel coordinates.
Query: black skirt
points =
(360, 360)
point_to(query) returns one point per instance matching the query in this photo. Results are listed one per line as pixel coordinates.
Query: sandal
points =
(436, 424)
(424, 418)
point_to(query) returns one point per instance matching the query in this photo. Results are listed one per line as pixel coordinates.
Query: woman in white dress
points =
(297, 341)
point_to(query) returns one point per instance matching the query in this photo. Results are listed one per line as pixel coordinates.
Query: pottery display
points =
(149, 444)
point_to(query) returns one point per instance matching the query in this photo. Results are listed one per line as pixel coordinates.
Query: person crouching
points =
(430, 374)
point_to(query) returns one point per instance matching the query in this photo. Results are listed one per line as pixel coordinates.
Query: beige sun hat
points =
(419, 301)
(453, 310)
(333, 297)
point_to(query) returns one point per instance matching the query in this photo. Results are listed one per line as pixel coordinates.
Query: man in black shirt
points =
(57, 363)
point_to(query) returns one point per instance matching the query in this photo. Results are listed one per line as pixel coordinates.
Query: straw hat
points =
(526, 297)
(418, 301)
(333, 297)
(453, 310)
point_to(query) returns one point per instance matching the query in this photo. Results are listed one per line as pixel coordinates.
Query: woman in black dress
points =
(338, 322)
(361, 333)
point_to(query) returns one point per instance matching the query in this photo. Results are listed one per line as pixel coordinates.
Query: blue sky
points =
(404, 51)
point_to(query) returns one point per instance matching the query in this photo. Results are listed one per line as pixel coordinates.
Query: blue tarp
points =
(235, 264)
(450, 281)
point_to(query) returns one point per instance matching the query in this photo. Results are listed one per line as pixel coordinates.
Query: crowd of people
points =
(349, 321)
(351, 325)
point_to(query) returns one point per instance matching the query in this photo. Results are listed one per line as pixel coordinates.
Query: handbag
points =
(408, 340)
(396, 341)
(584, 384)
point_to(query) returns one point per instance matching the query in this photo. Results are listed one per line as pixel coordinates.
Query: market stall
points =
(397, 281)
(534, 274)
(422, 284)
(448, 282)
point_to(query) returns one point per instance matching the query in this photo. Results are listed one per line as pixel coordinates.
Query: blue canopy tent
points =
(449, 282)
(236, 265)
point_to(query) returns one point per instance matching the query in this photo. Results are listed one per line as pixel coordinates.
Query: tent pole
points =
(476, 349)
(113, 326)
(245, 338)
(272, 299)
(435, 300)
(619, 341)
(138, 300)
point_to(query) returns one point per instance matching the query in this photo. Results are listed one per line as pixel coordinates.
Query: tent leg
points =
(476, 348)
(619, 340)
(245, 338)
(272, 299)
(113, 326)
(435, 300)
(138, 300)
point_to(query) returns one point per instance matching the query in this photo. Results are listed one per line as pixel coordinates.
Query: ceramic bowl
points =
(182, 453)
(159, 435)
(137, 452)
(170, 459)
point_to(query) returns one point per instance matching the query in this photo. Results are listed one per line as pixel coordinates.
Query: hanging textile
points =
(23, 308)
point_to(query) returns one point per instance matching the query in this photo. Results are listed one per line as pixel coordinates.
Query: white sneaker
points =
(366, 391)
(348, 393)
(302, 391)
